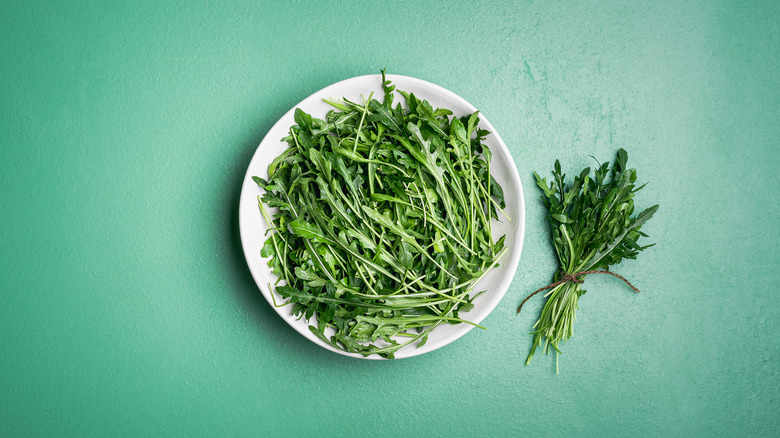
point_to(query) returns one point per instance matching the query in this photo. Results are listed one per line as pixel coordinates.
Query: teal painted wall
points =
(127, 307)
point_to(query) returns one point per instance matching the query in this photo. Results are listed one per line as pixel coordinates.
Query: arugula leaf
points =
(592, 228)
(381, 223)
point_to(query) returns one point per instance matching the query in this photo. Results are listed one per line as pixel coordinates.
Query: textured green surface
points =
(127, 307)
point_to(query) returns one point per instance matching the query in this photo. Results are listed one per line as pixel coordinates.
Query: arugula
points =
(382, 225)
(593, 227)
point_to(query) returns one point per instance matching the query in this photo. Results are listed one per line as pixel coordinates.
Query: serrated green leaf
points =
(378, 209)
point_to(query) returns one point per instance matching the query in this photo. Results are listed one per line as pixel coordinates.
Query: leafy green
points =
(382, 223)
(593, 227)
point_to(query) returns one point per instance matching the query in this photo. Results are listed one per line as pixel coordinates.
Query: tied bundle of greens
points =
(383, 221)
(593, 227)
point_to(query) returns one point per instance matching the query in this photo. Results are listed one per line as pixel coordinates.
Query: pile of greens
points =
(383, 220)
(593, 227)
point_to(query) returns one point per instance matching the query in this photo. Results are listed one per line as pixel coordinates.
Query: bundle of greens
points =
(593, 228)
(383, 222)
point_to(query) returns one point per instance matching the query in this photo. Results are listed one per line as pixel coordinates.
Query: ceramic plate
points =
(497, 281)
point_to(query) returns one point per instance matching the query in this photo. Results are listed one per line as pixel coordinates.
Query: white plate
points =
(504, 171)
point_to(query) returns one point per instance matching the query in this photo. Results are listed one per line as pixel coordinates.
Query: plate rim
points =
(515, 252)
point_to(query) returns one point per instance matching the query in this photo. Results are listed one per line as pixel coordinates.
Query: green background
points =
(127, 307)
